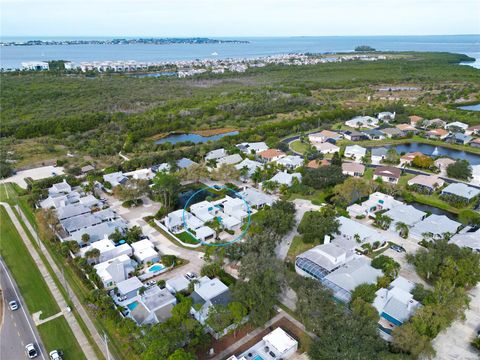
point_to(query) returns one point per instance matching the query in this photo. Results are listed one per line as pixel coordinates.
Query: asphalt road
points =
(18, 328)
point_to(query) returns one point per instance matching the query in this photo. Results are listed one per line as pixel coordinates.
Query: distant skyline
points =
(237, 18)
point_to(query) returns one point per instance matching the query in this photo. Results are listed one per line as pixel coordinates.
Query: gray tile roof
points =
(462, 190)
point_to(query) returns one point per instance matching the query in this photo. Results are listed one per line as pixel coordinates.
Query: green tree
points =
(366, 292)
(351, 190)
(167, 187)
(181, 354)
(389, 266)
(316, 224)
(402, 229)
(460, 169)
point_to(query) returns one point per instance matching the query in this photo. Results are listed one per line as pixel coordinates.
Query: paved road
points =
(18, 328)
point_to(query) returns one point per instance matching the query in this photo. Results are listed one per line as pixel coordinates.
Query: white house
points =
(376, 202)
(378, 155)
(204, 210)
(229, 160)
(153, 306)
(216, 154)
(362, 121)
(35, 65)
(434, 225)
(355, 152)
(456, 125)
(291, 161)
(115, 179)
(252, 148)
(386, 116)
(326, 148)
(284, 178)
(144, 251)
(255, 198)
(141, 174)
(108, 250)
(278, 342)
(115, 270)
(177, 284)
(476, 174)
(208, 292)
(60, 188)
(250, 165)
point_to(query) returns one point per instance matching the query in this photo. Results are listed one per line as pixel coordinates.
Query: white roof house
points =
(254, 147)
(185, 163)
(256, 198)
(60, 188)
(129, 287)
(456, 124)
(177, 284)
(99, 231)
(208, 292)
(174, 221)
(216, 154)
(386, 116)
(141, 174)
(68, 211)
(204, 210)
(406, 214)
(108, 249)
(250, 165)
(395, 305)
(476, 174)
(326, 148)
(469, 239)
(351, 230)
(376, 201)
(291, 161)
(153, 306)
(144, 251)
(235, 207)
(205, 233)
(56, 201)
(461, 190)
(278, 342)
(284, 178)
(115, 270)
(436, 225)
(115, 179)
(362, 121)
(355, 151)
(229, 160)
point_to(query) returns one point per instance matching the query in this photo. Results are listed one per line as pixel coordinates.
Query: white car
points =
(31, 351)
(55, 355)
(13, 305)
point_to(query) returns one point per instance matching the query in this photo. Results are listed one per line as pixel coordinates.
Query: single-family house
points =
(456, 126)
(427, 183)
(386, 116)
(353, 135)
(355, 152)
(252, 148)
(473, 130)
(144, 251)
(434, 225)
(129, 288)
(438, 134)
(374, 134)
(475, 143)
(405, 214)
(208, 292)
(115, 178)
(284, 178)
(153, 306)
(388, 174)
(250, 166)
(362, 121)
(416, 120)
(177, 284)
(204, 210)
(324, 136)
(271, 155)
(461, 191)
(185, 163)
(71, 210)
(98, 232)
(392, 133)
(229, 160)
(141, 174)
(316, 163)
(278, 344)
(107, 249)
(163, 167)
(56, 201)
(216, 154)
(353, 169)
(357, 232)
(204, 233)
(459, 138)
(60, 188)
(435, 123)
(115, 270)
(291, 162)
(378, 155)
(469, 239)
(408, 158)
(326, 148)
(476, 174)
(376, 202)
(395, 305)
(256, 198)
(406, 128)
(443, 163)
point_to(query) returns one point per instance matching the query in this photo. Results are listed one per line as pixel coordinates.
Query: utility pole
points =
(106, 345)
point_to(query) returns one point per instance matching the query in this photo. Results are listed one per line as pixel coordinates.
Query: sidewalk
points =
(71, 320)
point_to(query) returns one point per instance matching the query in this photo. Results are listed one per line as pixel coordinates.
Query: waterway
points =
(429, 150)
(194, 138)
(474, 107)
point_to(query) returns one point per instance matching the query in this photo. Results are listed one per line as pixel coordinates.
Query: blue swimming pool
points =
(132, 305)
(156, 268)
(257, 357)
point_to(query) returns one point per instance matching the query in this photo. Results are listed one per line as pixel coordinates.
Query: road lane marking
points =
(14, 324)
(23, 309)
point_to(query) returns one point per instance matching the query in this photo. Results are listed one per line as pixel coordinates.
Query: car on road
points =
(13, 305)
(55, 355)
(191, 276)
(31, 351)
(398, 248)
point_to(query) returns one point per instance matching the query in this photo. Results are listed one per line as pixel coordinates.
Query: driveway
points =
(454, 342)
(301, 207)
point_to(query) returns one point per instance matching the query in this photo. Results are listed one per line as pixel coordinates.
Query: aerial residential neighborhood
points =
(298, 185)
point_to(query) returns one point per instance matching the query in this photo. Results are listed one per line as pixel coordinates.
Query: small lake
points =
(427, 149)
(433, 210)
(474, 107)
(194, 138)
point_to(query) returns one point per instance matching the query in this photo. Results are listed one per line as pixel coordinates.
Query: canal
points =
(194, 138)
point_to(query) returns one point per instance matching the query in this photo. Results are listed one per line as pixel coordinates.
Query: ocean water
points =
(12, 56)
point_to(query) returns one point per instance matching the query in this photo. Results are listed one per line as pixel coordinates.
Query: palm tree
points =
(402, 229)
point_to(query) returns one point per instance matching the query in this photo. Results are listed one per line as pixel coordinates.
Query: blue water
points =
(132, 305)
(12, 56)
(475, 107)
(258, 357)
(195, 138)
(154, 75)
(156, 268)
(426, 149)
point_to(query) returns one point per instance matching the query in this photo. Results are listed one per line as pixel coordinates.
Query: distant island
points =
(364, 48)
(150, 41)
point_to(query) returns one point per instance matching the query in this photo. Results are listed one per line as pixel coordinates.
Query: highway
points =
(17, 328)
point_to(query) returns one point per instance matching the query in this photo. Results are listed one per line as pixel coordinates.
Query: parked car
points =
(13, 305)
(55, 355)
(191, 276)
(31, 351)
(398, 248)
(151, 283)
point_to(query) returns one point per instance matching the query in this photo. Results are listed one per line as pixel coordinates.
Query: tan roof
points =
(415, 118)
(426, 180)
(474, 127)
(476, 141)
(353, 167)
(439, 132)
(271, 153)
(410, 156)
(405, 127)
(389, 171)
(328, 133)
(315, 164)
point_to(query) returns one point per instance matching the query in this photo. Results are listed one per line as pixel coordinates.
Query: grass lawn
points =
(32, 286)
(404, 179)
(434, 200)
(317, 198)
(298, 146)
(57, 335)
(187, 238)
(298, 247)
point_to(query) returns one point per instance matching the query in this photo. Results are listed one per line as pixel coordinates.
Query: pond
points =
(431, 150)
(195, 138)
(474, 107)
(433, 210)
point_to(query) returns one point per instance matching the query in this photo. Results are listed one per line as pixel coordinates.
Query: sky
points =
(229, 18)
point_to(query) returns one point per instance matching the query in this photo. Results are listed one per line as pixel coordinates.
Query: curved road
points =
(18, 328)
